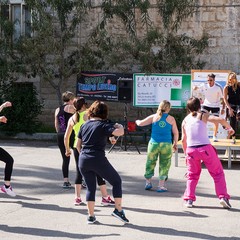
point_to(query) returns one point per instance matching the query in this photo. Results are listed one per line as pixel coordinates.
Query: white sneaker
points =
(215, 139)
(189, 203)
(9, 191)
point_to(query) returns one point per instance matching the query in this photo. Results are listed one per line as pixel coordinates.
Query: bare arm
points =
(222, 121)
(56, 120)
(146, 121)
(119, 130)
(3, 119)
(79, 144)
(175, 134)
(4, 105)
(225, 98)
(184, 137)
(67, 136)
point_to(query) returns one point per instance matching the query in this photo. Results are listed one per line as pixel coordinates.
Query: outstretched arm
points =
(223, 122)
(4, 105)
(146, 121)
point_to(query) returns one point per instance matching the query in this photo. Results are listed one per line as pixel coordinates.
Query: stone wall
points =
(220, 19)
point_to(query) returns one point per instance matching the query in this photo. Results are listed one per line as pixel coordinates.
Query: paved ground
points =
(43, 210)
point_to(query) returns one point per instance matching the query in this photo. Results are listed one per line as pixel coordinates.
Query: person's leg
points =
(66, 160)
(214, 166)
(215, 112)
(90, 179)
(8, 160)
(78, 180)
(102, 184)
(106, 199)
(106, 170)
(193, 173)
(164, 164)
(215, 130)
(152, 156)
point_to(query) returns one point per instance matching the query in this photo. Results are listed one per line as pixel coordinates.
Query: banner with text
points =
(150, 90)
(100, 86)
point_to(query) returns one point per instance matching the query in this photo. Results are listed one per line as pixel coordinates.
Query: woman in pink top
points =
(197, 148)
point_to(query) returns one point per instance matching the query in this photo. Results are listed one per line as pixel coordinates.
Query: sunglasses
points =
(210, 80)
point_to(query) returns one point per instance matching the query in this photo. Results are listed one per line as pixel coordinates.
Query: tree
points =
(51, 52)
(22, 116)
(9, 63)
(161, 48)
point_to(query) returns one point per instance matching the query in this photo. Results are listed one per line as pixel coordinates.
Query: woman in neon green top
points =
(75, 123)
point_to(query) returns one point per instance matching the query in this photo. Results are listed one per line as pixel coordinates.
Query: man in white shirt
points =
(213, 94)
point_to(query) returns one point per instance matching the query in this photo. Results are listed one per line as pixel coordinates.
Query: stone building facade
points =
(220, 19)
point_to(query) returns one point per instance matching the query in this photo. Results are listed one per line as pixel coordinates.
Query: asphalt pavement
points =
(42, 209)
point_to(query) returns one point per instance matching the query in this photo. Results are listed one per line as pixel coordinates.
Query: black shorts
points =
(214, 110)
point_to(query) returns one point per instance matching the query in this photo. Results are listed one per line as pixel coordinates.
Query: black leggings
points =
(7, 158)
(90, 166)
(79, 177)
(66, 160)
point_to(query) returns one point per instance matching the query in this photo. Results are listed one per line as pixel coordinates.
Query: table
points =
(222, 144)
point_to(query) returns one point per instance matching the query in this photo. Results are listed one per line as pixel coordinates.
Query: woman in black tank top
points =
(62, 115)
(231, 96)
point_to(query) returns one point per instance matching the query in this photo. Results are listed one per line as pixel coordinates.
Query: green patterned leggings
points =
(163, 151)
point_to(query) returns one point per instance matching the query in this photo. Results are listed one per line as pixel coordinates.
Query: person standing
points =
(7, 159)
(75, 123)
(213, 94)
(62, 115)
(164, 137)
(231, 96)
(91, 144)
(197, 148)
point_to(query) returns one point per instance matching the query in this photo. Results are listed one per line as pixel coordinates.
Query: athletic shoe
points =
(161, 189)
(107, 201)
(78, 201)
(120, 215)
(9, 191)
(189, 203)
(225, 203)
(91, 219)
(148, 186)
(67, 185)
(215, 139)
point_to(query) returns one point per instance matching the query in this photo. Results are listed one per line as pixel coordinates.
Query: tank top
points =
(63, 118)
(196, 131)
(161, 130)
(233, 96)
(77, 127)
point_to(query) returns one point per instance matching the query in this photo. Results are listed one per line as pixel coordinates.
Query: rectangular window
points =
(20, 15)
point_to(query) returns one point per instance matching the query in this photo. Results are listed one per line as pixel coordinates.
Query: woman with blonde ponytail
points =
(163, 141)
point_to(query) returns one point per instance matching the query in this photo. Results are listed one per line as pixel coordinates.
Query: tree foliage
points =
(141, 42)
(151, 47)
(53, 52)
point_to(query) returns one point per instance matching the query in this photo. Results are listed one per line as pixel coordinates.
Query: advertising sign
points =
(150, 90)
(100, 86)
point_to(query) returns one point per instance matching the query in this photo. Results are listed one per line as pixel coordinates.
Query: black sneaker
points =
(66, 185)
(91, 219)
(120, 215)
(225, 203)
